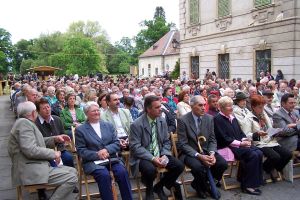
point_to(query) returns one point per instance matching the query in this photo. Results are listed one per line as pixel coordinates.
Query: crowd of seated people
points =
(256, 123)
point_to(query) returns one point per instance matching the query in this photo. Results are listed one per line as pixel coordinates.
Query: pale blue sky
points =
(26, 19)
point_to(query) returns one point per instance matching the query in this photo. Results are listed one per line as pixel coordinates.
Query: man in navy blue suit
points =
(96, 142)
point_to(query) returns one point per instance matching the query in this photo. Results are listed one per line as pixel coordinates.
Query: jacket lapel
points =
(146, 124)
(192, 123)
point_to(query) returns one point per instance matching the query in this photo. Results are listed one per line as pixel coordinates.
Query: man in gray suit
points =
(287, 119)
(30, 156)
(150, 148)
(190, 126)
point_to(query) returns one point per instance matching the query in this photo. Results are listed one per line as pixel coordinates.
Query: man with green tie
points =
(150, 148)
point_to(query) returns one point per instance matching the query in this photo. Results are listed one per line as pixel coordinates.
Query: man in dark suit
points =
(190, 126)
(97, 143)
(150, 148)
(288, 119)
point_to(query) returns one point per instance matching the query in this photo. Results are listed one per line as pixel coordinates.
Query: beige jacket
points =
(249, 124)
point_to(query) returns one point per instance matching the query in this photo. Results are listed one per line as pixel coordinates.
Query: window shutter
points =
(223, 8)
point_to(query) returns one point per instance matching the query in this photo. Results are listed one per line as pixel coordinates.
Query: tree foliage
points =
(6, 51)
(176, 72)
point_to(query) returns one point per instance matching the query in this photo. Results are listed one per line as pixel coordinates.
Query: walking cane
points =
(214, 190)
(113, 182)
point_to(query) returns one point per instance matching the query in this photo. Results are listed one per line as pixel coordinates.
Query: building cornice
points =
(287, 21)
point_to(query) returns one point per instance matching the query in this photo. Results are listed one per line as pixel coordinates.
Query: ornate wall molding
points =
(194, 30)
(223, 23)
(262, 15)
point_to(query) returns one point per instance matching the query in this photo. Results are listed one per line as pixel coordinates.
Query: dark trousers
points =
(198, 169)
(277, 158)
(67, 158)
(251, 166)
(149, 172)
(103, 180)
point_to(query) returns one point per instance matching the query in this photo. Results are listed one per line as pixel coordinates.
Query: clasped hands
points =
(207, 160)
(103, 154)
(159, 162)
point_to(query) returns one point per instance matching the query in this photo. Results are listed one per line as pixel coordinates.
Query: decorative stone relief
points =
(223, 24)
(193, 30)
(262, 16)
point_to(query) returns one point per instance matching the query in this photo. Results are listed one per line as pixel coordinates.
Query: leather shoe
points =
(76, 190)
(159, 190)
(200, 193)
(252, 191)
(177, 191)
(42, 194)
(149, 193)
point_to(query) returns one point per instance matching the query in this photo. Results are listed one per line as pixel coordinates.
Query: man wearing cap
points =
(269, 108)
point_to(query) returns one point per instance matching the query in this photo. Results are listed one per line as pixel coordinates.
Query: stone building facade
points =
(240, 38)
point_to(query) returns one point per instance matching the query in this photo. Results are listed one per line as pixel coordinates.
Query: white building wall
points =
(240, 35)
(171, 61)
(155, 62)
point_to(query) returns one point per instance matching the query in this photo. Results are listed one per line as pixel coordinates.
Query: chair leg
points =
(88, 196)
(19, 193)
(138, 185)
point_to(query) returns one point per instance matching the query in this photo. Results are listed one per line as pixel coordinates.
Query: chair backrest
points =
(174, 140)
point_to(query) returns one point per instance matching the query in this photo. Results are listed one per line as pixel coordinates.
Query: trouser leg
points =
(66, 178)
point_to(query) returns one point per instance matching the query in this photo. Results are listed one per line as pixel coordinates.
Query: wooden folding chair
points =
(227, 154)
(295, 165)
(187, 170)
(228, 175)
(86, 180)
(32, 189)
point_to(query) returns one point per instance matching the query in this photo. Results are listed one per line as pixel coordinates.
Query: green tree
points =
(81, 56)
(176, 72)
(6, 51)
(21, 52)
(159, 13)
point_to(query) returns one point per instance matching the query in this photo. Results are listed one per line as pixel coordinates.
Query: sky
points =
(27, 19)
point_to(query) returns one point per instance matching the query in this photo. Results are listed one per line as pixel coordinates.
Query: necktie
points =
(199, 124)
(294, 119)
(154, 143)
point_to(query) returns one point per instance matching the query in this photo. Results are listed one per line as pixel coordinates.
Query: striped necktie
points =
(154, 142)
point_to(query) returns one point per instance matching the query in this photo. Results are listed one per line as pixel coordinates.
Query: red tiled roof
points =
(164, 46)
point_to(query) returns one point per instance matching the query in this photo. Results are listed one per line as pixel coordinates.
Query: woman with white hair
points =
(229, 134)
(51, 95)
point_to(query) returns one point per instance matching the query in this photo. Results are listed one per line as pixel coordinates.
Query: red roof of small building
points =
(164, 46)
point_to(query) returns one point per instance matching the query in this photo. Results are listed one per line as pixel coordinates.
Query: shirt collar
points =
(42, 120)
(151, 120)
(230, 118)
(196, 117)
(286, 111)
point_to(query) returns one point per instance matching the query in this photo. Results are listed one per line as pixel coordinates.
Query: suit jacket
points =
(140, 139)
(67, 120)
(29, 154)
(125, 117)
(188, 136)
(289, 136)
(88, 143)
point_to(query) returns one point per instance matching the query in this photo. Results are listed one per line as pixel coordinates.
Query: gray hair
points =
(25, 108)
(88, 105)
(223, 101)
(195, 99)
